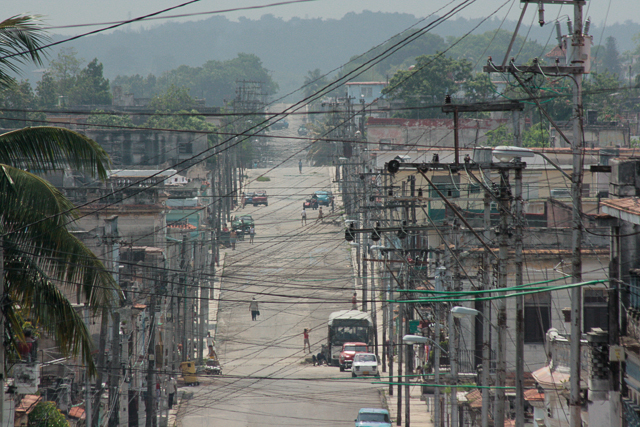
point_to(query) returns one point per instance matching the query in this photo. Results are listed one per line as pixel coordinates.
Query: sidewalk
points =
(419, 416)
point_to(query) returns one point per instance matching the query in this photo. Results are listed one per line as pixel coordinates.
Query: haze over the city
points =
(73, 12)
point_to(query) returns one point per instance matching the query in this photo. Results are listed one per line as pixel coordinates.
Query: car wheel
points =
(266, 204)
(341, 368)
(353, 375)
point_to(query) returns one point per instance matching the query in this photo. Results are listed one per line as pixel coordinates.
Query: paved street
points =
(299, 275)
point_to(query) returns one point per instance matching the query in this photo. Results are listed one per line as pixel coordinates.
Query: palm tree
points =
(41, 256)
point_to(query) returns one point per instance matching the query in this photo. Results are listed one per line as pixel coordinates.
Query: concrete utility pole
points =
(151, 419)
(486, 318)
(503, 242)
(578, 48)
(439, 278)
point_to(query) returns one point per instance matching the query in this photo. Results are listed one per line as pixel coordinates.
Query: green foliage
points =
(602, 92)
(99, 117)
(263, 179)
(175, 98)
(425, 86)
(141, 87)
(76, 85)
(14, 100)
(479, 87)
(472, 47)
(611, 57)
(21, 39)
(46, 414)
(536, 136)
(426, 44)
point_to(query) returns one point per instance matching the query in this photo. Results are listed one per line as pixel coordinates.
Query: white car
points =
(364, 364)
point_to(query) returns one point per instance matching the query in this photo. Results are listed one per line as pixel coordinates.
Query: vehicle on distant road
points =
(302, 131)
(349, 351)
(324, 197)
(282, 124)
(373, 417)
(364, 364)
(242, 223)
(347, 326)
(248, 198)
(260, 198)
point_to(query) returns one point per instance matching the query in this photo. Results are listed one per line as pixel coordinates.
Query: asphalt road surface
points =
(299, 275)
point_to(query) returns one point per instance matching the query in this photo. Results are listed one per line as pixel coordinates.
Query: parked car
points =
(260, 198)
(302, 131)
(282, 124)
(324, 197)
(364, 364)
(349, 350)
(373, 417)
(248, 198)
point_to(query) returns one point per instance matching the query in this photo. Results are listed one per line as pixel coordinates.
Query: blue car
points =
(324, 197)
(373, 417)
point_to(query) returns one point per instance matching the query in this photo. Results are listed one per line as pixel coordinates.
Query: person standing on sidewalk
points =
(354, 301)
(305, 335)
(171, 391)
(233, 236)
(304, 217)
(252, 232)
(253, 308)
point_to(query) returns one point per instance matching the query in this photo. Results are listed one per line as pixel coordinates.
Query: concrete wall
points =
(146, 147)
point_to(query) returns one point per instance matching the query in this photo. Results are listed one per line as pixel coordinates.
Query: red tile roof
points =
(630, 204)
(28, 403)
(77, 412)
(533, 394)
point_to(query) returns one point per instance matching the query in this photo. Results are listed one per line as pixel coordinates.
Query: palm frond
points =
(29, 288)
(21, 41)
(49, 148)
(33, 227)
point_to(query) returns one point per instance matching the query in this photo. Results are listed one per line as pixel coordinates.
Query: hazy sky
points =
(69, 12)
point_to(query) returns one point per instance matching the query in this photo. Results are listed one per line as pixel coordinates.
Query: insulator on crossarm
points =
(558, 33)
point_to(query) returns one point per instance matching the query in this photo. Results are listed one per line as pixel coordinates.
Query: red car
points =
(349, 349)
(259, 198)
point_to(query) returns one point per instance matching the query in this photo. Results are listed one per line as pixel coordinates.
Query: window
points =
(595, 313)
(537, 317)
(447, 186)
(366, 91)
(634, 289)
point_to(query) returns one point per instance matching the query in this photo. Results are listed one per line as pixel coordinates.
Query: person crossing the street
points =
(305, 345)
(253, 308)
(304, 217)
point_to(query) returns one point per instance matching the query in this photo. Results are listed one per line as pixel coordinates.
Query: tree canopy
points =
(423, 87)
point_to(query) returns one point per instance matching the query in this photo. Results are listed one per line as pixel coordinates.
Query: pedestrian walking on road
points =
(233, 236)
(332, 205)
(253, 308)
(211, 345)
(354, 301)
(320, 216)
(304, 217)
(300, 165)
(252, 232)
(305, 335)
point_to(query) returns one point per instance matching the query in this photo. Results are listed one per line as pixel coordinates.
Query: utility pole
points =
(439, 278)
(150, 418)
(486, 319)
(501, 367)
(578, 55)
(2, 348)
(519, 279)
